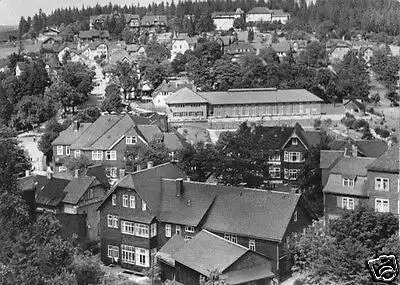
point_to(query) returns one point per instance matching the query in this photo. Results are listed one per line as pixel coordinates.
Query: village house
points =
(346, 187)
(95, 50)
(97, 21)
(166, 89)
(223, 21)
(338, 51)
(263, 14)
(154, 23)
(384, 181)
(74, 200)
(93, 35)
(181, 43)
(239, 49)
(152, 205)
(120, 55)
(354, 107)
(207, 252)
(106, 140)
(282, 49)
(132, 21)
(187, 105)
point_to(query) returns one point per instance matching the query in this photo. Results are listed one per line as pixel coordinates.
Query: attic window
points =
(294, 141)
(131, 140)
(348, 182)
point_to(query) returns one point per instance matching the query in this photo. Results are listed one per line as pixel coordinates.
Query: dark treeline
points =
(328, 18)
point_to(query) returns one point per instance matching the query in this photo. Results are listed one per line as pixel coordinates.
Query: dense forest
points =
(327, 18)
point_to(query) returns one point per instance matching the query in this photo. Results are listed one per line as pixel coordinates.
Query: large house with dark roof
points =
(364, 172)
(146, 208)
(384, 181)
(263, 14)
(188, 105)
(106, 141)
(206, 252)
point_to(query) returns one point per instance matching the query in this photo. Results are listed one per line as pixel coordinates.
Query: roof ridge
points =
(226, 240)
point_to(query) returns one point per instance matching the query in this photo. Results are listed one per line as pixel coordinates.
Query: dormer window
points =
(348, 182)
(295, 141)
(131, 140)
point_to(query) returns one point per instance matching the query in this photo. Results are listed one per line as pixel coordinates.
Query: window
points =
(293, 156)
(348, 182)
(59, 150)
(125, 201)
(113, 251)
(111, 155)
(121, 173)
(97, 155)
(275, 172)
(178, 230)
(227, 236)
(62, 168)
(114, 199)
(293, 174)
(167, 230)
(131, 140)
(128, 228)
(153, 230)
(67, 151)
(189, 229)
(142, 230)
(382, 184)
(128, 253)
(132, 202)
(347, 203)
(77, 153)
(112, 172)
(382, 205)
(252, 244)
(234, 238)
(295, 216)
(112, 221)
(294, 141)
(144, 206)
(142, 257)
(186, 238)
(275, 157)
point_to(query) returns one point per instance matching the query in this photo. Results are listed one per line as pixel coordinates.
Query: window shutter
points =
(286, 156)
(339, 202)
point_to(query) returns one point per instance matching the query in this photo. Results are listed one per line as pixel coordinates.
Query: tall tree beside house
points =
(34, 80)
(155, 152)
(386, 67)
(23, 27)
(353, 77)
(204, 24)
(337, 254)
(239, 23)
(6, 108)
(79, 76)
(226, 74)
(198, 161)
(127, 78)
(88, 115)
(112, 103)
(66, 95)
(153, 71)
(269, 55)
(51, 132)
(250, 36)
(156, 51)
(314, 55)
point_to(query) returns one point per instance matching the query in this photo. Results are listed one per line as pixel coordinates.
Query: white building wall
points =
(179, 46)
(223, 24)
(259, 17)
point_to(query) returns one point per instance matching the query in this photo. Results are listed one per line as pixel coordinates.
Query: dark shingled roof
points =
(242, 276)
(206, 252)
(255, 213)
(189, 208)
(52, 193)
(335, 185)
(352, 166)
(169, 248)
(328, 158)
(367, 148)
(77, 187)
(388, 162)
(260, 10)
(69, 136)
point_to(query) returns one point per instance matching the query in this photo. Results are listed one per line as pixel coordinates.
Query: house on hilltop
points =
(224, 20)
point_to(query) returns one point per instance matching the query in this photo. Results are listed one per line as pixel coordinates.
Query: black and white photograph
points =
(199, 142)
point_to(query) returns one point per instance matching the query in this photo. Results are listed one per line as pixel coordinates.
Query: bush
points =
(348, 120)
(360, 125)
(317, 124)
(382, 132)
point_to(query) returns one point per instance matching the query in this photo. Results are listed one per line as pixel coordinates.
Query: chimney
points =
(354, 150)
(27, 173)
(76, 126)
(179, 187)
(76, 173)
(150, 164)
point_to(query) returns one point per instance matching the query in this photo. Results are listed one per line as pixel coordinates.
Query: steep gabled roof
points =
(160, 19)
(255, 213)
(388, 162)
(150, 132)
(367, 148)
(69, 136)
(206, 252)
(52, 193)
(329, 157)
(147, 183)
(185, 95)
(173, 245)
(76, 188)
(189, 208)
(356, 166)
